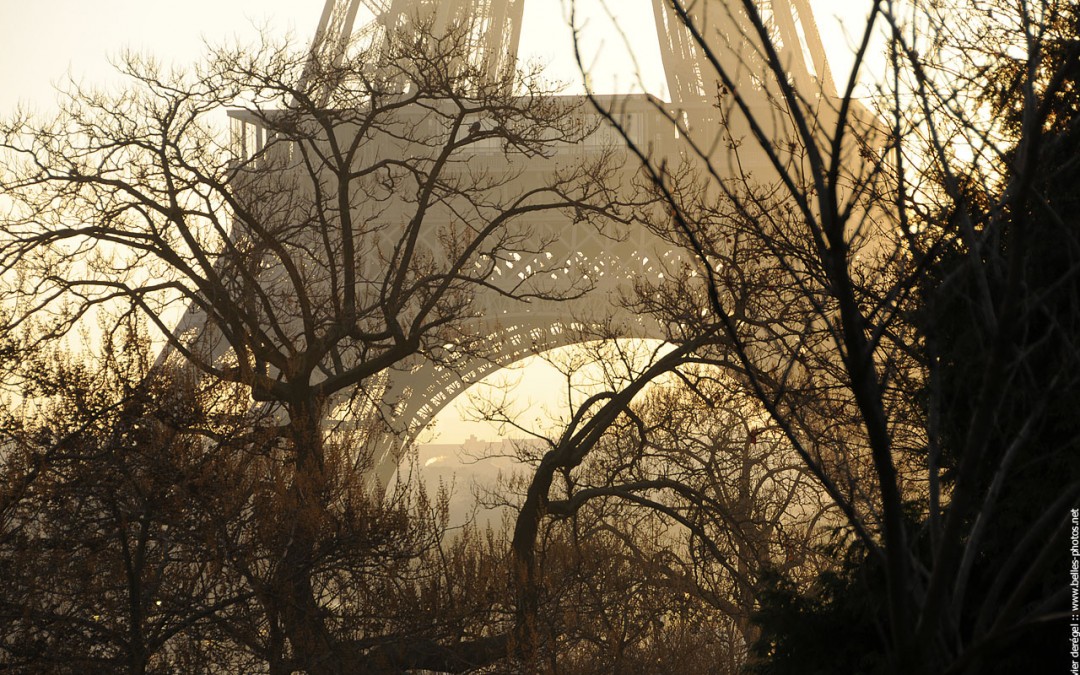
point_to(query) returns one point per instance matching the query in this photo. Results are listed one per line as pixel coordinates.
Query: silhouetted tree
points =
(345, 236)
(884, 302)
(113, 536)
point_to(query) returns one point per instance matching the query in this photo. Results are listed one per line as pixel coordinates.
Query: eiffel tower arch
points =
(506, 329)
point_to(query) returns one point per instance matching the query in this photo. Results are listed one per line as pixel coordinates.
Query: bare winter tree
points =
(140, 528)
(881, 298)
(109, 496)
(344, 233)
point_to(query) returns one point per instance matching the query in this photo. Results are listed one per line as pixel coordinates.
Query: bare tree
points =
(140, 529)
(818, 236)
(112, 491)
(687, 484)
(347, 234)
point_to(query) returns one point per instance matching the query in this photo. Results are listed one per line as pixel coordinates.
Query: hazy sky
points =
(43, 42)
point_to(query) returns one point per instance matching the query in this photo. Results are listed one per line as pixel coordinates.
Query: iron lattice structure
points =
(504, 329)
(496, 25)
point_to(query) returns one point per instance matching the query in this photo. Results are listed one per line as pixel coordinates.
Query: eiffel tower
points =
(508, 329)
(496, 26)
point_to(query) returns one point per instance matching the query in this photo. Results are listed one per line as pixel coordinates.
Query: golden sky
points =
(42, 41)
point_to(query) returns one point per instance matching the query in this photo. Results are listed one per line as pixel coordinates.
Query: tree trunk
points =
(302, 517)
